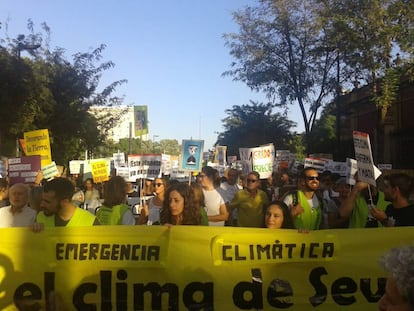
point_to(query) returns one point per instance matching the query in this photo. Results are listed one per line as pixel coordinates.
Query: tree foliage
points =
(376, 40)
(253, 125)
(40, 88)
(280, 49)
(136, 146)
(306, 52)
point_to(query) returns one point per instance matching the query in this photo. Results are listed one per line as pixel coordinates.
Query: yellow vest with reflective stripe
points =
(80, 218)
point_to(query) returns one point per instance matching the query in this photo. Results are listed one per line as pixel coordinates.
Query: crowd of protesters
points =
(308, 200)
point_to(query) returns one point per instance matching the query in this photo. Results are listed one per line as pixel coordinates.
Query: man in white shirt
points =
(18, 213)
(228, 190)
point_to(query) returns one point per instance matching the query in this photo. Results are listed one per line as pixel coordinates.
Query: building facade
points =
(392, 141)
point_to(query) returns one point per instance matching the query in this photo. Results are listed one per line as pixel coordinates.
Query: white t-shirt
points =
(213, 200)
(228, 191)
(23, 219)
(153, 212)
(128, 218)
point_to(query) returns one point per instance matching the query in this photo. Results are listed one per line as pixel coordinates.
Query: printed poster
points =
(24, 169)
(192, 151)
(140, 120)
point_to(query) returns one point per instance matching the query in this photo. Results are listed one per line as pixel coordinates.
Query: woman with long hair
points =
(179, 207)
(277, 216)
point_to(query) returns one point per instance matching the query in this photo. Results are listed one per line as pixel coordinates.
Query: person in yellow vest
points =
(357, 205)
(304, 204)
(114, 210)
(58, 209)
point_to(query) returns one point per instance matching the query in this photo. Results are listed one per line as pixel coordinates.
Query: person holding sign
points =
(397, 189)
(304, 205)
(357, 205)
(150, 213)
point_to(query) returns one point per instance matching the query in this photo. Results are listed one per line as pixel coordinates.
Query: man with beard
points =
(397, 189)
(305, 206)
(58, 209)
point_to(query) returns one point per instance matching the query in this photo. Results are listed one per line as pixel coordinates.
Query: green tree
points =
(280, 49)
(323, 138)
(45, 90)
(375, 39)
(253, 125)
(167, 146)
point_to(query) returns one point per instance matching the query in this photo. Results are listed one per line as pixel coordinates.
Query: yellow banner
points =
(196, 268)
(38, 143)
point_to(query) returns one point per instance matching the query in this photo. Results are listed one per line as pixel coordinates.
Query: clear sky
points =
(171, 52)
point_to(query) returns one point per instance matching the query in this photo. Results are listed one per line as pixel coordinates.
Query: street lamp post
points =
(153, 142)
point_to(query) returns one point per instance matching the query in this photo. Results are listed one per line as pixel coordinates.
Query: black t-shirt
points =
(402, 216)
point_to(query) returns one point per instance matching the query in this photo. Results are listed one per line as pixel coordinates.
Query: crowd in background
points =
(308, 200)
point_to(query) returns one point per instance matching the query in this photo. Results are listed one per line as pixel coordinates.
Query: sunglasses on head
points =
(309, 178)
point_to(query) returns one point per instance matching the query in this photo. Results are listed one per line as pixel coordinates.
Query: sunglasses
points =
(159, 184)
(251, 180)
(309, 178)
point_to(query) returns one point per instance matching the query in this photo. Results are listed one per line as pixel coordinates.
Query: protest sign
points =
(363, 156)
(24, 169)
(192, 151)
(220, 155)
(75, 166)
(3, 170)
(50, 170)
(261, 159)
(38, 143)
(119, 159)
(336, 167)
(99, 170)
(351, 169)
(144, 166)
(317, 163)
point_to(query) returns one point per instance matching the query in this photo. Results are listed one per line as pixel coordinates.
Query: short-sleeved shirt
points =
(401, 217)
(250, 209)
(213, 200)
